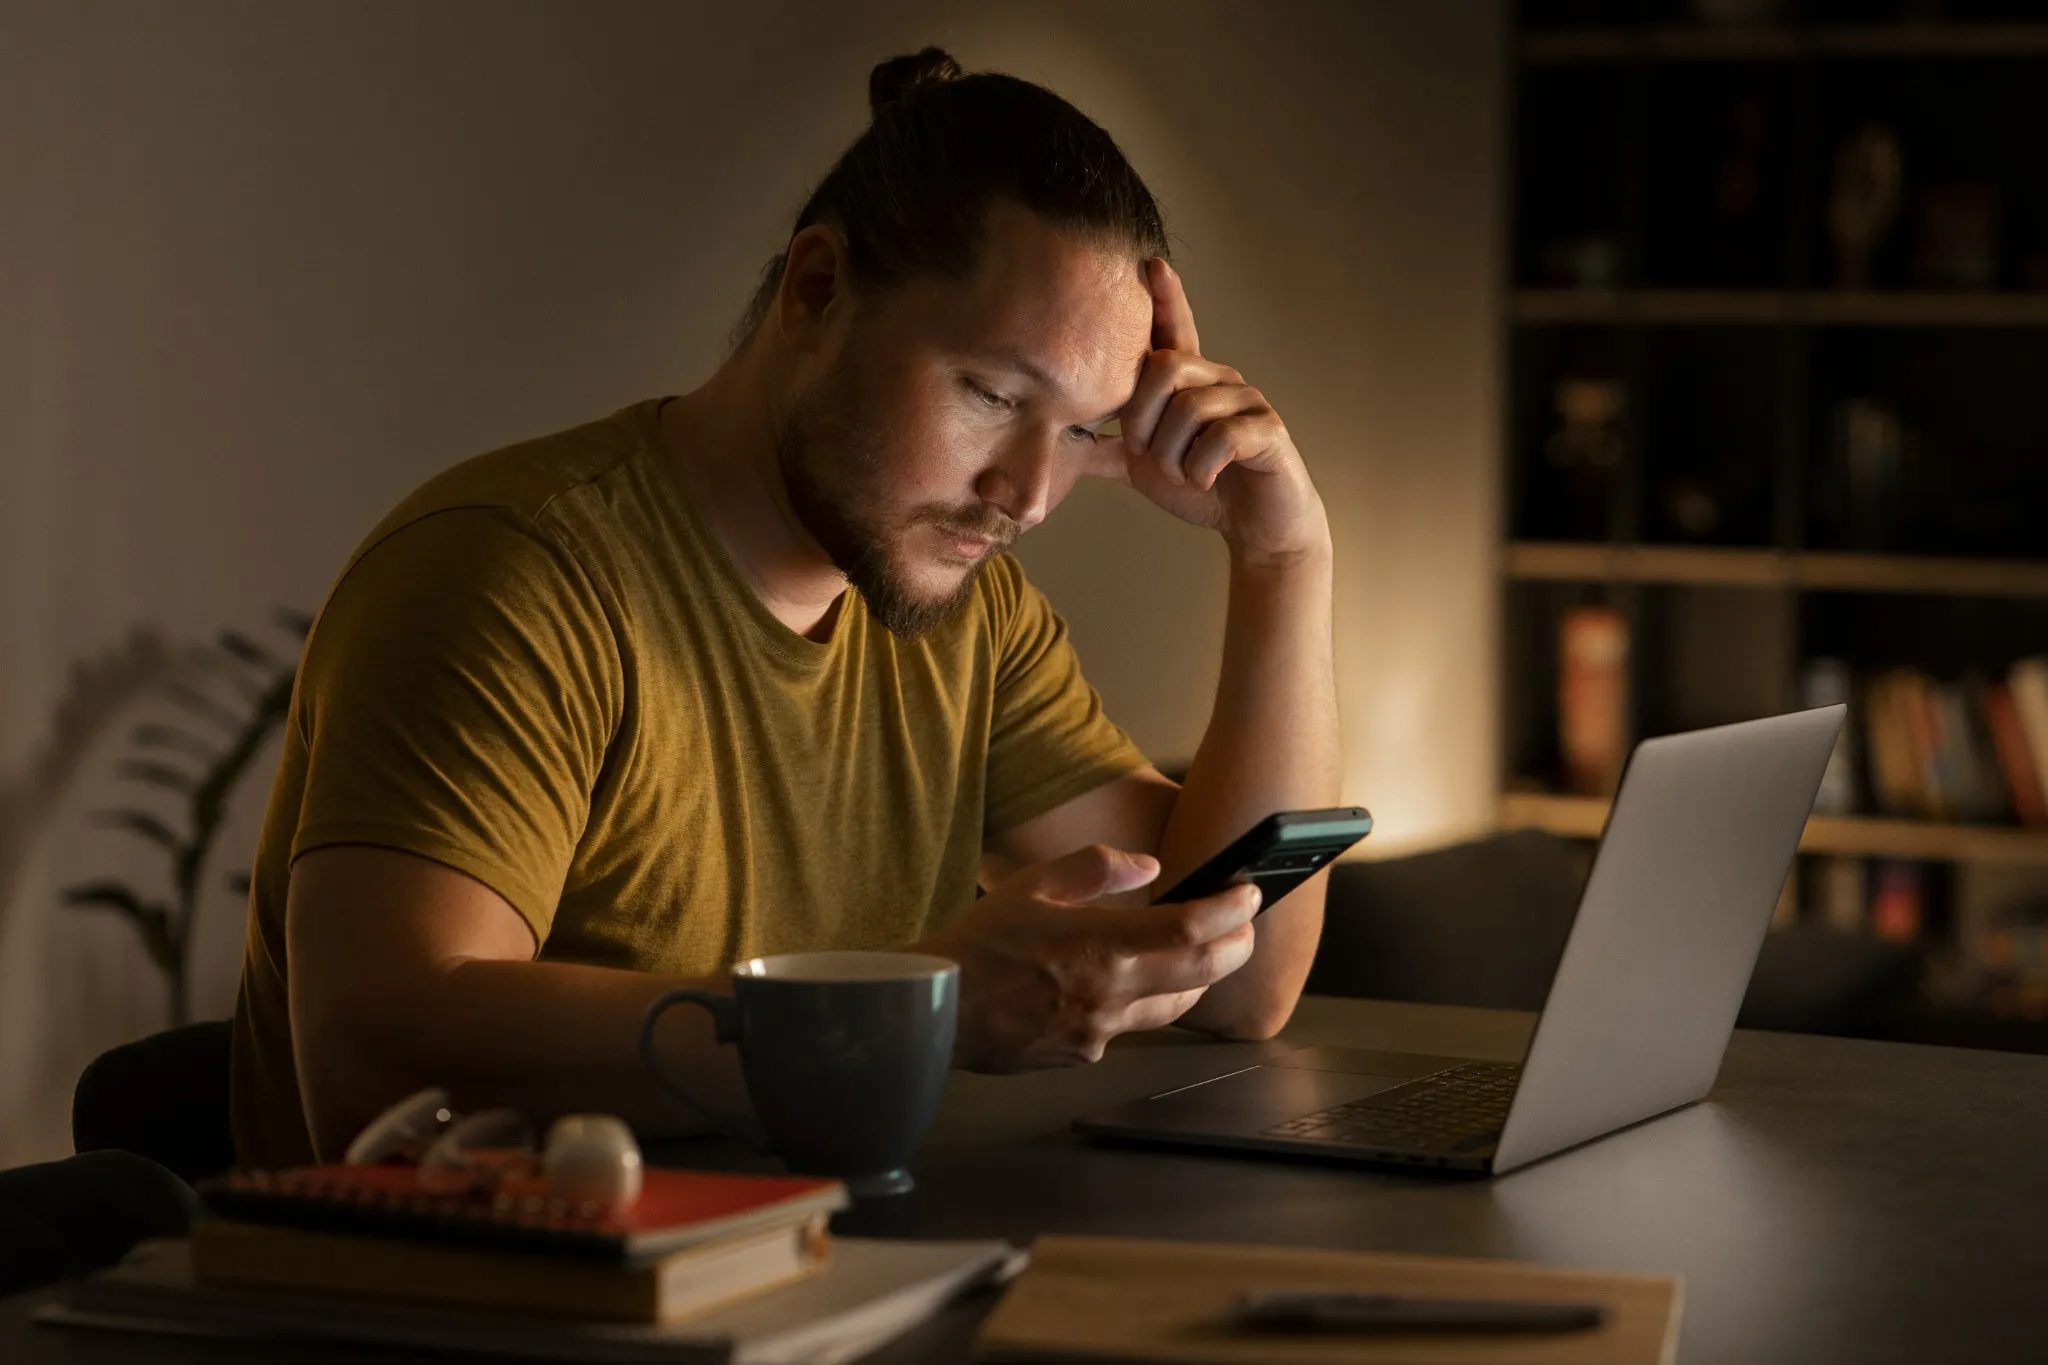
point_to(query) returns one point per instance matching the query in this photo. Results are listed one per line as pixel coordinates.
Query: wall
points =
(263, 268)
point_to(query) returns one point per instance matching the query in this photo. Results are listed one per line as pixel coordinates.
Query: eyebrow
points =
(1022, 364)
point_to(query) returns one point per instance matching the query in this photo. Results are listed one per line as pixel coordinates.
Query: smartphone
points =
(1278, 854)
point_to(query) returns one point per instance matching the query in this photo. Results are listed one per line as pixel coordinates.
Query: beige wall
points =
(264, 267)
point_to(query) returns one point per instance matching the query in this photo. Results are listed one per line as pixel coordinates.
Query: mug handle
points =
(725, 1028)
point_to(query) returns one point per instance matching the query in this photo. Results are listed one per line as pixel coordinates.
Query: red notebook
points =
(676, 1209)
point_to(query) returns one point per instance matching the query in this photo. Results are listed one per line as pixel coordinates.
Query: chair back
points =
(164, 1097)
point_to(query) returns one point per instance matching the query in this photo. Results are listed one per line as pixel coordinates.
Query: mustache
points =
(991, 525)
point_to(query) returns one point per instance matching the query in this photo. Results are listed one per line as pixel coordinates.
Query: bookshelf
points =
(1844, 42)
(1748, 265)
(1812, 571)
(1775, 308)
(1853, 836)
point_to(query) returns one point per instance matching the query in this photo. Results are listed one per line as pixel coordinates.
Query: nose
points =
(1021, 481)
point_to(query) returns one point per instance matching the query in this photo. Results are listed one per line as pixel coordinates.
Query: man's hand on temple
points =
(1048, 975)
(1207, 447)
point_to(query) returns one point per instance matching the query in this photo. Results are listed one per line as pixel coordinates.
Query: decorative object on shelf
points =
(1582, 455)
(1691, 504)
(1863, 201)
(1861, 488)
(1898, 900)
(1592, 696)
(1826, 682)
(202, 770)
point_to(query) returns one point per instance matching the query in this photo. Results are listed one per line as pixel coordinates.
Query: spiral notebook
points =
(676, 1209)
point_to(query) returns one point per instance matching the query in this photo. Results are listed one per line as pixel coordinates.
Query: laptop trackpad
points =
(1282, 1092)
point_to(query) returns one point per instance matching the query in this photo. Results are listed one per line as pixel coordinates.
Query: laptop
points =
(1697, 845)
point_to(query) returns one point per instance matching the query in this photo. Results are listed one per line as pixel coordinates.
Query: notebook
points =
(667, 1288)
(1130, 1300)
(871, 1292)
(676, 1209)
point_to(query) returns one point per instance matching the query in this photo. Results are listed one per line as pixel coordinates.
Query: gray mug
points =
(845, 1055)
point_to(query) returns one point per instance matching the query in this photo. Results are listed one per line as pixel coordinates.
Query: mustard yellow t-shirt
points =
(544, 671)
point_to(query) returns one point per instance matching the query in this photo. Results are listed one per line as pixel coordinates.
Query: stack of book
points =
(703, 1267)
(691, 1241)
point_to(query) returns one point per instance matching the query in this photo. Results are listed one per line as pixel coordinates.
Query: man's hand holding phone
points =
(1049, 974)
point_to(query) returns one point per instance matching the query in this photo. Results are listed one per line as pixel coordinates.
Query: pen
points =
(1338, 1310)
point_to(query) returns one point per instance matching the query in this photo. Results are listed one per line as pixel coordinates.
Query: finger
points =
(1091, 873)
(1186, 924)
(1240, 439)
(1173, 321)
(1169, 971)
(1187, 417)
(1166, 373)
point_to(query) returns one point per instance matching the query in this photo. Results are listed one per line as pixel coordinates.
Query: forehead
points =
(1078, 309)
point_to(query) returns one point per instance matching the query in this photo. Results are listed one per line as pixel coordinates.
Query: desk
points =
(1836, 1200)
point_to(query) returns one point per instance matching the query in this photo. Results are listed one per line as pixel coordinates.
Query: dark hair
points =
(912, 191)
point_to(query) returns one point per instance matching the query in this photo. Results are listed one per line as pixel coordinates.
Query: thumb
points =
(1094, 872)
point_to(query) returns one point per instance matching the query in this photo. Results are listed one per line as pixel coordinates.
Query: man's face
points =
(944, 419)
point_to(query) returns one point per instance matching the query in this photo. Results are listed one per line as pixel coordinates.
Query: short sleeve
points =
(457, 698)
(1049, 739)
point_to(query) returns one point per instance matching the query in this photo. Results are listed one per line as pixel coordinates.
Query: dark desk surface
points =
(1835, 1200)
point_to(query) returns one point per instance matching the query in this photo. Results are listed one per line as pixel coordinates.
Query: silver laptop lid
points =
(1696, 848)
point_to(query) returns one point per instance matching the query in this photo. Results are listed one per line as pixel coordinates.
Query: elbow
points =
(1247, 1021)
(350, 1070)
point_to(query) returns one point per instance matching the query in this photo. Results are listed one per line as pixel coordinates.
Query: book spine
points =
(2029, 684)
(2015, 758)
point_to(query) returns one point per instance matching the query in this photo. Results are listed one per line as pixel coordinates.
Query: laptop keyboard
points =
(1457, 1110)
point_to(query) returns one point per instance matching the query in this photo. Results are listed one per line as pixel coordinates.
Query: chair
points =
(1484, 923)
(63, 1218)
(164, 1097)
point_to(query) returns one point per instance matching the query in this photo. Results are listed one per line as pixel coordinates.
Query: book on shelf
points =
(2015, 757)
(2028, 683)
(669, 1288)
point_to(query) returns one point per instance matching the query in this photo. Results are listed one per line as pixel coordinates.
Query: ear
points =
(814, 293)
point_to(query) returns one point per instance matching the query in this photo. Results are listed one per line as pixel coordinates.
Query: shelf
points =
(1601, 46)
(1779, 308)
(1809, 571)
(1581, 817)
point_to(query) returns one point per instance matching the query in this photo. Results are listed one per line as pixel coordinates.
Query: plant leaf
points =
(199, 704)
(248, 651)
(156, 775)
(239, 883)
(219, 664)
(170, 737)
(297, 622)
(152, 919)
(143, 823)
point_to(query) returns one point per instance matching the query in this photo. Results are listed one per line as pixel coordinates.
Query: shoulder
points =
(523, 480)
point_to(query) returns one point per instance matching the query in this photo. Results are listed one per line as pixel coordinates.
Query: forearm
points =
(1271, 745)
(546, 1038)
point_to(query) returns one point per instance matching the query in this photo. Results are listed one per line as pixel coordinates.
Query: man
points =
(747, 671)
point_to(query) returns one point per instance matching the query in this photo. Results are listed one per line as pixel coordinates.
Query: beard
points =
(833, 461)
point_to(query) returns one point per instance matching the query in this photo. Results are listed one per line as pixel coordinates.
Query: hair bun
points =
(894, 79)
